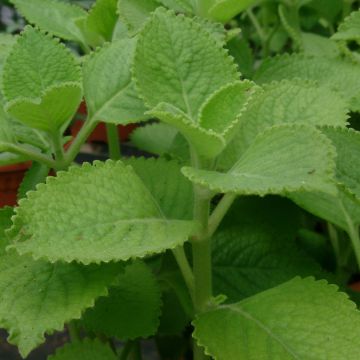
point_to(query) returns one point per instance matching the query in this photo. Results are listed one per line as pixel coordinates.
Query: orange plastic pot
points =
(11, 177)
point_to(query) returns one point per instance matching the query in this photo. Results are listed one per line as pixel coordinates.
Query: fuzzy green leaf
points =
(276, 324)
(349, 30)
(5, 222)
(52, 111)
(101, 20)
(225, 10)
(185, 6)
(337, 73)
(36, 63)
(178, 62)
(222, 110)
(84, 350)
(281, 159)
(131, 310)
(170, 189)
(6, 43)
(38, 297)
(109, 91)
(256, 250)
(134, 13)
(342, 209)
(207, 142)
(317, 45)
(57, 17)
(288, 101)
(106, 214)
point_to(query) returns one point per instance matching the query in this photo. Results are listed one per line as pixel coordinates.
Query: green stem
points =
(59, 152)
(74, 332)
(33, 155)
(334, 240)
(80, 139)
(256, 25)
(113, 141)
(185, 269)
(203, 7)
(220, 211)
(131, 351)
(355, 240)
(201, 250)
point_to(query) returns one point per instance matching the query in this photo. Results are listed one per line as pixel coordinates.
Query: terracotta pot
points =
(11, 177)
(99, 134)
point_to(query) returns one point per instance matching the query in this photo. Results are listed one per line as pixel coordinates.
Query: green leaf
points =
(317, 45)
(161, 139)
(208, 143)
(85, 350)
(132, 308)
(107, 214)
(256, 250)
(53, 111)
(6, 43)
(276, 324)
(169, 188)
(222, 110)
(178, 62)
(225, 10)
(281, 159)
(101, 20)
(36, 63)
(185, 6)
(109, 91)
(135, 13)
(5, 222)
(35, 175)
(336, 73)
(38, 297)
(286, 102)
(342, 209)
(349, 29)
(57, 17)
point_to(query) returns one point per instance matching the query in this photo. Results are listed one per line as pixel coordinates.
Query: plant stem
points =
(73, 332)
(334, 239)
(185, 269)
(32, 155)
(220, 211)
(80, 139)
(256, 25)
(59, 152)
(131, 351)
(113, 141)
(203, 7)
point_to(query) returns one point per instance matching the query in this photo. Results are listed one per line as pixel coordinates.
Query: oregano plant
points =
(236, 235)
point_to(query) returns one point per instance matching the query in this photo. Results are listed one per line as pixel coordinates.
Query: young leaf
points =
(225, 10)
(42, 82)
(337, 73)
(39, 297)
(132, 308)
(317, 45)
(36, 63)
(226, 104)
(101, 20)
(6, 43)
(281, 159)
(170, 189)
(276, 324)
(184, 6)
(178, 62)
(52, 111)
(285, 102)
(57, 17)
(109, 91)
(119, 221)
(256, 251)
(208, 143)
(134, 13)
(85, 350)
(349, 30)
